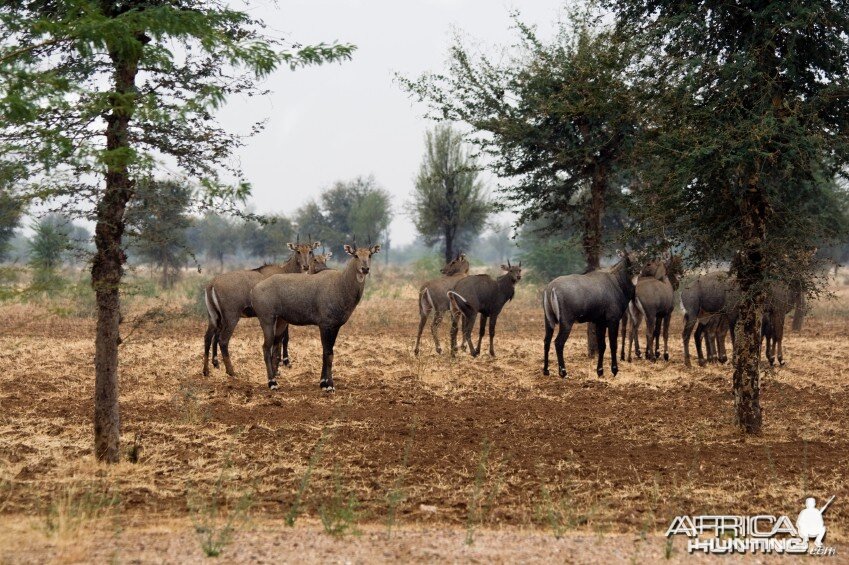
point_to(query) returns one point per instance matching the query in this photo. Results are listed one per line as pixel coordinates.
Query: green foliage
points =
(547, 257)
(339, 515)
(10, 217)
(745, 130)
(268, 241)
(56, 65)
(157, 220)
(49, 247)
(216, 235)
(555, 119)
(449, 205)
(359, 207)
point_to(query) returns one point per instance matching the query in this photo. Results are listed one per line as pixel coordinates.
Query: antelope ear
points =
(505, 268)
(328, 255)
(374, 249)
(462, 256)
(316, 244)
(292, 246)
(349, 250)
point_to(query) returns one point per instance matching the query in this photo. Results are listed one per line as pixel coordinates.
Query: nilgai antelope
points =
(654, 301)
(710, 301)
(780, 301)
(318, 263)
(325, 300)
(433, 297)
(228, 298)
(599, 297)
(481, 294)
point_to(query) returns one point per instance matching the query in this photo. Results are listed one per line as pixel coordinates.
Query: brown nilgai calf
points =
(325, 300)
(653, 301)
(709, 304)
(318, 263)
(484, 295)
(433, 297)
(599, 297)
(228, 299)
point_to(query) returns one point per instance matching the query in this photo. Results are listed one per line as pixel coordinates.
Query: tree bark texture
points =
(107, 267)
(750, 276)
(593, 238)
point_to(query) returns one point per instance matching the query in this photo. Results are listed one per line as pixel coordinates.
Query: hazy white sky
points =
(342, 120)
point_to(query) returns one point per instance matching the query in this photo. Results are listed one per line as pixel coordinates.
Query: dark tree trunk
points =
(451, 220)
(799, 312)
(747, 345)
(593, 238)
(107, 269)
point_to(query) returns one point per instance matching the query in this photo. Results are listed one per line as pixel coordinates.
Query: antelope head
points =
(304, 252)
(515, 271)
(361, 259)
(458, 266)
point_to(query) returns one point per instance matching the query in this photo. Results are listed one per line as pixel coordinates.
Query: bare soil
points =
(434, 446)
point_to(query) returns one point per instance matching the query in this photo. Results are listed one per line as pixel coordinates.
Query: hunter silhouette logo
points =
(761, 533)
(810, 523)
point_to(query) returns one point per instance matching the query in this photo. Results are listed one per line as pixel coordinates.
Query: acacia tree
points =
(95, 93)
(449, 204)
(358, 208)
(555, 119)
(157, 221)
(747, 123)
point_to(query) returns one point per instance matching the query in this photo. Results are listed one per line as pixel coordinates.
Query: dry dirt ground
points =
(445, 452)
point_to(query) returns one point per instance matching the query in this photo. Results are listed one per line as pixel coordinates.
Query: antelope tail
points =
(212, 307)
(551, 308)
(460, 303)
(425, 302)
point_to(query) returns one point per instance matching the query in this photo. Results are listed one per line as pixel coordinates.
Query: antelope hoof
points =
(614, 369)
(286, 362)
(206, 371)
(272, 385)
(562, 372)
(771, 362)
(666, 356)
(546, 372)
(599, 372)
(215, 363)
(639, 355)
(702, 362)
(327, 386)
(438, 351)
(780, 362)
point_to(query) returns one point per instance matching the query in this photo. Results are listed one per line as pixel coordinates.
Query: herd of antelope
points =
(303, 291)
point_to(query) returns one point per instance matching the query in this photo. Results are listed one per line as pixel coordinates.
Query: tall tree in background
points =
(449, 204)
(157, 220)
(219, 236)
(267, 241)
(99, 89)
(747, 122)
(359, 207)
(556, 120)
(10, 217)
(49, 245)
